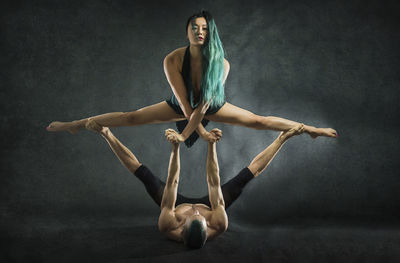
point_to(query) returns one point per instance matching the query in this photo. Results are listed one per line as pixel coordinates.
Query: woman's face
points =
(197, 31)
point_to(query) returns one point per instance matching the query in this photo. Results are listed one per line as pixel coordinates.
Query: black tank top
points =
(194, 102)
(187, 79)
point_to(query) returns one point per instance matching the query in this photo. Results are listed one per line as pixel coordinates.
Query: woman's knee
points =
(131, 118)
(256, 121)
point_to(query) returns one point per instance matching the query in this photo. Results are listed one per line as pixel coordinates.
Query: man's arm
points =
(171, 185)
(219, 219)
(167, 222)
(127, 158)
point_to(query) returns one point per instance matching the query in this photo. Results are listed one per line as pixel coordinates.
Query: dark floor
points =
(138, 240)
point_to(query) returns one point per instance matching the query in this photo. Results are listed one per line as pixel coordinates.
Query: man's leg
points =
(263, 159)
(154, 186)
(233, 188)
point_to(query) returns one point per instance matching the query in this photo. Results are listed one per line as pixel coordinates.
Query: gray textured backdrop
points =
(330, 64)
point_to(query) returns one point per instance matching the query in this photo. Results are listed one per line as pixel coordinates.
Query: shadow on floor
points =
(138, 240)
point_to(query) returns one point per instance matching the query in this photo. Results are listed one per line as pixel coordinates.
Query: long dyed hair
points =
(212, 89)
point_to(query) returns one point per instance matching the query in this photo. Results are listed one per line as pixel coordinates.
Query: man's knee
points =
(255, 168)
(133, 165)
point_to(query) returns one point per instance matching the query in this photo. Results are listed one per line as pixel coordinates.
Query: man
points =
(193, 220)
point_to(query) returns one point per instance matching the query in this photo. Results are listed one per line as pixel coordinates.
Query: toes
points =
(53, 126)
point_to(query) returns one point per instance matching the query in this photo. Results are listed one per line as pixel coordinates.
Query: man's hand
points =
(217, 133)
(93, 126)
(213, 136)
(173, 136)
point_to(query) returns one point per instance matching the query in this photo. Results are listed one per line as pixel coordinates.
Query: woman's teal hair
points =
(212, 64)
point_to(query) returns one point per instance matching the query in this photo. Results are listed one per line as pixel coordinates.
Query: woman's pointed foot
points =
(327, 132)
(62, 126)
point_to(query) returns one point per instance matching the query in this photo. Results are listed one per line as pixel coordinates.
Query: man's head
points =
(195, 231)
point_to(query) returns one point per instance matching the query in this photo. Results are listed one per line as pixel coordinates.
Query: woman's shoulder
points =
(177, 53)
(226, 64)
(175, 57)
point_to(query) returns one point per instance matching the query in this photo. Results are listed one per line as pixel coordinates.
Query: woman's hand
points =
(213, 136)
(173, 136)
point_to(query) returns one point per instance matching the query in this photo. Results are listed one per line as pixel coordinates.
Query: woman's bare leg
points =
(157, 113)
(264, 158)
(238, 116)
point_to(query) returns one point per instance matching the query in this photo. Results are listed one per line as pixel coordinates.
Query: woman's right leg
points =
(156, 113)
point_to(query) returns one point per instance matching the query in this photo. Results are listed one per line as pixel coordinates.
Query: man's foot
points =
(91, 125)
(55, 126)
(315, 132)
(299, 129)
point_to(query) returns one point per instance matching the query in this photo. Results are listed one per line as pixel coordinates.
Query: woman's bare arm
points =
(174, 77)
(177, 84)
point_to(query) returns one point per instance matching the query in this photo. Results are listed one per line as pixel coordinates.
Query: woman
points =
(196, 74)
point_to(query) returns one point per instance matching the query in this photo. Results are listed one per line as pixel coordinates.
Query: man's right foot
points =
(297, 130)
(62, 126)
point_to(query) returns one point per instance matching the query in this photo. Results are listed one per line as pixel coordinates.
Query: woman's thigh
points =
(232, 114)
(156, 113)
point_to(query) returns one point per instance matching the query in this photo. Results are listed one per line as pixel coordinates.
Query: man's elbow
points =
(164, 222)
(223, 226)
(162, 227)
(222, 223)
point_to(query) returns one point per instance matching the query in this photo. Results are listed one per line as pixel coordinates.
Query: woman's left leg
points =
(234, 115)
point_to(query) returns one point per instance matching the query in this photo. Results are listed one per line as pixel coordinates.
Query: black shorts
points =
(230, 190)
(177, 108)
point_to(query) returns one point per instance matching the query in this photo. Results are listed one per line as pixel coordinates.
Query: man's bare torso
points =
(185, 210)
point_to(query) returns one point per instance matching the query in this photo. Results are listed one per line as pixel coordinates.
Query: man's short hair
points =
(195, 235)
